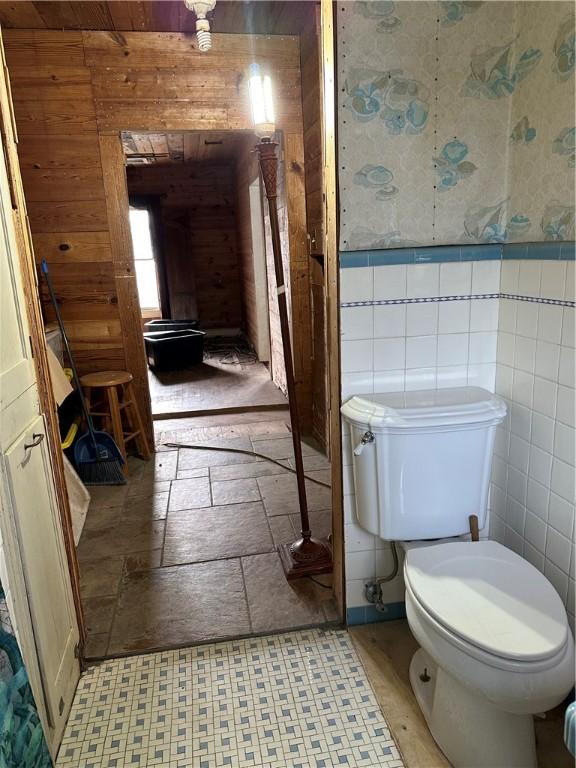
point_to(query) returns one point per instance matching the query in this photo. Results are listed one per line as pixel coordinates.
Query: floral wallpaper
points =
(541, 171)
(456, 122)
(400, 102)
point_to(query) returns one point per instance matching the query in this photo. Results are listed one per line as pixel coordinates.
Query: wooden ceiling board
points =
(175, 144)
(185, 147)
(20, 15)
(93, 15)
(129, 17)
(75, 14)
(171, 16)
(270, 17)
(57, 15)
(191, 145)
(142, 143)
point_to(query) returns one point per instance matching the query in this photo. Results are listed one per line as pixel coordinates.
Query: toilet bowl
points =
(495, 650)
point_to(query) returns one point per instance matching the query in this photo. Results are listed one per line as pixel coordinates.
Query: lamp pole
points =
(307, 556)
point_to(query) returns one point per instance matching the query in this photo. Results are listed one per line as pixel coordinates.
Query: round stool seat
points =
(106, 379)
(110, 398)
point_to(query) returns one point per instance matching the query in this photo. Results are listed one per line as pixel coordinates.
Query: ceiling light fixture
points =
(201, 8)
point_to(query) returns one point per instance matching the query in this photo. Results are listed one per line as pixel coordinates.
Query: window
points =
(146, 275)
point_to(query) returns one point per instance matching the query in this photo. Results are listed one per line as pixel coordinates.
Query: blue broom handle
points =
(44, 266)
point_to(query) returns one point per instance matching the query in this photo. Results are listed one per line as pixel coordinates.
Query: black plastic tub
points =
(171, 350)
(165, 324)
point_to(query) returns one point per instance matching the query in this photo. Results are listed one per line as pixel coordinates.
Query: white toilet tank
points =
(424, 465)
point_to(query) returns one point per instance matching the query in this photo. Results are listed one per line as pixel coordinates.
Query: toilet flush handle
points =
(367, 437)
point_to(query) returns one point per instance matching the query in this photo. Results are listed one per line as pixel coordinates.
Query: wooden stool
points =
(118, 396)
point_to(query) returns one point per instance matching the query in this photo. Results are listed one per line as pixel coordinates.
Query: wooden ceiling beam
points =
(260, 17)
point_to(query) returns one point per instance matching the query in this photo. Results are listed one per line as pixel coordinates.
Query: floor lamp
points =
(307, 556)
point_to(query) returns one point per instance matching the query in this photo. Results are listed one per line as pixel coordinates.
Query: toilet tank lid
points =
(425, 408)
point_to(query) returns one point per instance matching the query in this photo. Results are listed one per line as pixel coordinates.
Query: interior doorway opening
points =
(151, 552)
(201, 259)
(187, 551)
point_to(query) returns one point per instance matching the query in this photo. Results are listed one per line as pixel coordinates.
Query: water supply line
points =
(373, 590)
(394, 572)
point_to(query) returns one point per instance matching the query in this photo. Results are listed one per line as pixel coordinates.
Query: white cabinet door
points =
(16, 364)
(44, 563)
(30, 527)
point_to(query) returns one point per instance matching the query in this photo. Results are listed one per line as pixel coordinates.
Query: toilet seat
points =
(490, 602)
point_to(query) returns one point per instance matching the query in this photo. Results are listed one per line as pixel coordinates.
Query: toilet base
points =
(470, 731)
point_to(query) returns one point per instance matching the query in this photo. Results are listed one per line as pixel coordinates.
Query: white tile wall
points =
(415, 346)
(533, 475)
(410, 346)
(524, 351)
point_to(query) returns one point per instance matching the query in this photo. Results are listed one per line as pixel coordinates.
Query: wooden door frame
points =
(112, 158)
(331, 277)
(29, 277)
(117, 205)
(117, 202)
(117, 208)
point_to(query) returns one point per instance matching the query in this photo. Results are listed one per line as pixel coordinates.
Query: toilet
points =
(495, 645)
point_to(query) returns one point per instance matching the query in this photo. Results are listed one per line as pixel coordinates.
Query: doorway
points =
(129, 580)
(200, 256)
(187, 550)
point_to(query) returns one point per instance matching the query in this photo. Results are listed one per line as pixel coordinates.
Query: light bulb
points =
(261, 101)
(201, 8)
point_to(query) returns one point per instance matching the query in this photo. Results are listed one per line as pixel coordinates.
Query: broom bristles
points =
(108, 472)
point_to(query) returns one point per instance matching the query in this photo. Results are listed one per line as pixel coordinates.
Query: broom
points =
(97, 457)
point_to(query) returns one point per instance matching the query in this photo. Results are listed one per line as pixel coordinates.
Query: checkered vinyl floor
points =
(296, 700)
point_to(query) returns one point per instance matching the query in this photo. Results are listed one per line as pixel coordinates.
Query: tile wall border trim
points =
(438, 254)
(537, 300)
(422, 300)
(464, 297)
(369, 614)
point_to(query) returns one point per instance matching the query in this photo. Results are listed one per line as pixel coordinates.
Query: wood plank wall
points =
(312, 116)
(47, 402)
(75, 90)
(198, 237)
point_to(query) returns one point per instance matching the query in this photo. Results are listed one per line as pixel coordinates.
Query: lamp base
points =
(306, 557)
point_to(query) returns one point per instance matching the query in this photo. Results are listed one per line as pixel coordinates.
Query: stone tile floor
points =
(186, 551)
(296, 700)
